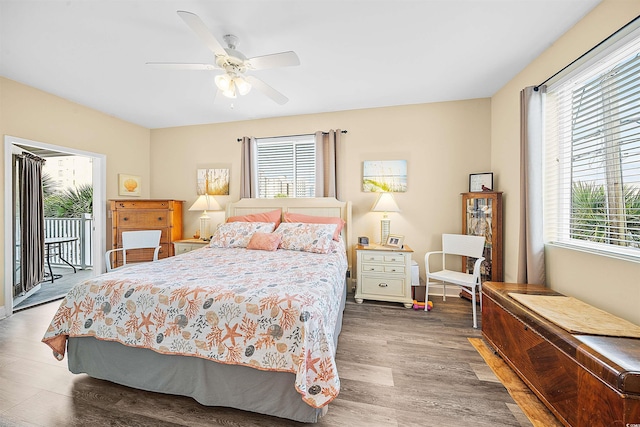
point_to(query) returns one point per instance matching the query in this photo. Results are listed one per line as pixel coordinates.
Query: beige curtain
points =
(328, 145)
(531, 267)
(31, 221)
(248, 182)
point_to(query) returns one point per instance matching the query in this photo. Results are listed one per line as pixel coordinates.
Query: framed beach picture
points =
(214, 182)
(384, 176)
(129, 185)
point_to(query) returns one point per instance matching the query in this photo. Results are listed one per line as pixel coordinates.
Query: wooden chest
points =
(131, 215)
(584, 380)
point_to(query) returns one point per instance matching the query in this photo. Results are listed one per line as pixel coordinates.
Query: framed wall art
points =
(214, 181)
(129, 185)
(384, 176)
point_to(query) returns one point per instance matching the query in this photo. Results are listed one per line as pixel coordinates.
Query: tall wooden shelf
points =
(482, 216)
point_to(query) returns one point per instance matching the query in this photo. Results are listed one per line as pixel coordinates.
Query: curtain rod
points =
(31, 156)
(586, 53)
(291, 136)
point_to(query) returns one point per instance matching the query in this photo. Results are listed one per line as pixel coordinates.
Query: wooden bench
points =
(585, 380)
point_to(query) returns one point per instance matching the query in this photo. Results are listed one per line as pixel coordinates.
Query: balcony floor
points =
(57, 290)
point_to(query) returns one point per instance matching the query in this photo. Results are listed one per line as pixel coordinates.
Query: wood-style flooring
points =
(398, 367)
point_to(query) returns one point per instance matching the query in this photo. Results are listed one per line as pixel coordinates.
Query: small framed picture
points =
(480, 182)
(395, 241)
(128, 185)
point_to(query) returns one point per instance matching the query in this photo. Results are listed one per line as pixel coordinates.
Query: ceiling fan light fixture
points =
(224, 82)
(242, 85)
(231, 93)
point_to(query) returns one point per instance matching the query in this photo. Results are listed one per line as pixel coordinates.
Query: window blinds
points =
(286, 167)
(592, 152)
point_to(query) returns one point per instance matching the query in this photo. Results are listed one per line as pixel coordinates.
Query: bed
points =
(232, 324)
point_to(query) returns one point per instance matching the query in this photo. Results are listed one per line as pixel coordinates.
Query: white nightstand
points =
(384, 274)
(187, 245)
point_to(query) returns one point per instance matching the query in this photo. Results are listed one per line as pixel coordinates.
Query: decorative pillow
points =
(238, 234)
(272, 216)
(264, 241)
(311, 219)
(297, 236)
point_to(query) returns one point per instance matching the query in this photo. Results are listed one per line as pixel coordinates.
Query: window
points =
(286, 166)
(592, 153)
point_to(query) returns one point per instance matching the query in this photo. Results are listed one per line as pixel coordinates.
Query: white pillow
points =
(238, 234)
(298, 236)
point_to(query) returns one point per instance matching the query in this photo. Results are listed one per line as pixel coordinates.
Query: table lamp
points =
(385, 203)
(205, 203)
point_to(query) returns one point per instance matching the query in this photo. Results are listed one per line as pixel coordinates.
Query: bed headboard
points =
(320, 206)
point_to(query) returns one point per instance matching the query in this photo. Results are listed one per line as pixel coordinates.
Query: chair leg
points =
(444, 291)
(426, 295)
(473, 304)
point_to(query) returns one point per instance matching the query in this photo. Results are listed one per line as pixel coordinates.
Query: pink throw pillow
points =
(311, 219)
(272, 216)
(264, 241)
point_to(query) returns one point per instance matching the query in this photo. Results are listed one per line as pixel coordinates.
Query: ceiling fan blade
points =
(267, 90)
(195, 23)
(179, 66)
(282, 59)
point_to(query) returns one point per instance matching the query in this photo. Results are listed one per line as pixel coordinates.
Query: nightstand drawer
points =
(183, 249)
(394, 269)
(383, 286)
(372, 267)
(372, 258)
(394, 259)
(188, 245)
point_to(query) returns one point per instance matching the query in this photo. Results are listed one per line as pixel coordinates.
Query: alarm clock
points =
(364, 241)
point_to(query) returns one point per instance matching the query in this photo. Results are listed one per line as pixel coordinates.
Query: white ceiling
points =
(353, 54)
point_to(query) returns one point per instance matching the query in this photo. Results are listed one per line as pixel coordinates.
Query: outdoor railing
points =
(79, 252)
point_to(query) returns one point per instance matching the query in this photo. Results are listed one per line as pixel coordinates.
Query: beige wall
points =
(442, 142)
(31, 114)
(610, 284)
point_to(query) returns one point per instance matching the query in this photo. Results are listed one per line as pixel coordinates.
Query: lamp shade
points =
(385, 203)
(205, 202)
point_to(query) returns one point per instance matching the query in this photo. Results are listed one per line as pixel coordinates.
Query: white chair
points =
(143, 239)
(462, 246)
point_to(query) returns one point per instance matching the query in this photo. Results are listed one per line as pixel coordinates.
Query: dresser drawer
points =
(146, 204)
(383, 286)
(143, 219)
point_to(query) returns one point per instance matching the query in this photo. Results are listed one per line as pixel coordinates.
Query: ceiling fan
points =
(234, 80)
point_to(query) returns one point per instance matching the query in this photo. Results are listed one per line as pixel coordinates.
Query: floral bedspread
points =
(273, 311)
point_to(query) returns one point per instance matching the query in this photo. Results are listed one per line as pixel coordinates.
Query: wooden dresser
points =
(585, 380)
(131, 215)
